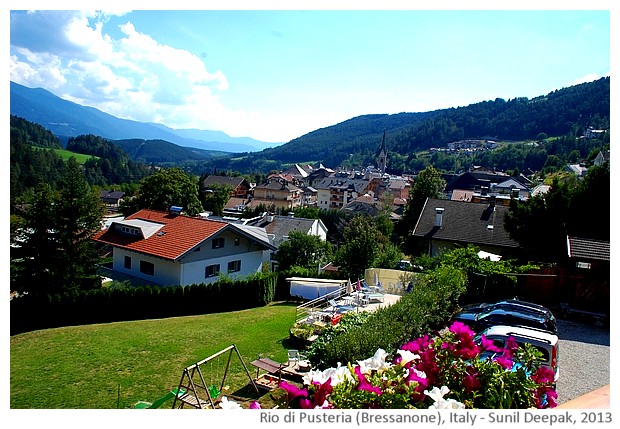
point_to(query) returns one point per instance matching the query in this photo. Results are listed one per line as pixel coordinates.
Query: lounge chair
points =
(340, 308)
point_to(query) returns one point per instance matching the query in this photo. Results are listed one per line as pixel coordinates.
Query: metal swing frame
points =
(196, 391)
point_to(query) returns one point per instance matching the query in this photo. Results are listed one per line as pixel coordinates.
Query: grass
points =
(115, 365)
(65, 155)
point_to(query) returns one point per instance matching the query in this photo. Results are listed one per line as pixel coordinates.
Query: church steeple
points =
(382, 157)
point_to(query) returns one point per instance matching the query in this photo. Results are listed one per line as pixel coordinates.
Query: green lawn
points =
(65, 154)
(115, 365)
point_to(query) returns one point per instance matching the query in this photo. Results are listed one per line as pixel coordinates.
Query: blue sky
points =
(275, 75)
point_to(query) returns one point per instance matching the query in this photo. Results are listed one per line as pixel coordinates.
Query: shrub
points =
(426, 308)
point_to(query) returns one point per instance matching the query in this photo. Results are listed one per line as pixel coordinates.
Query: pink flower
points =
(486, 344)
(322, 392)
(417, 345)
(364, 384)
(504, 361)
(467, 349)
(293, 391)
(462, 331)
(510, 348)
(543, 375)
(255, 405)
(470, 381)
(545, 397)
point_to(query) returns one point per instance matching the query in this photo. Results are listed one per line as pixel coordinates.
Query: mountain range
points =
(67, 119)
(563, 112)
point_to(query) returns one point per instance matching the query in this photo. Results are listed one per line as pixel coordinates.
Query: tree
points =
(166, 188)
(78, 216)
(360, 247)
(34, 249)
(52, 252)
(540, 224)
(428, 184)
(302, 250)
(215, 197)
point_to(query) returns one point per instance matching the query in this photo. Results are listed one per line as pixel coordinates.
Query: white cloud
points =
(590, 77)
(133, 77)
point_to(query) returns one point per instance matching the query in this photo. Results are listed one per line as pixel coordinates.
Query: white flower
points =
(313, 376)
(375, 363)
(407, 356)
(337, 375)
(437, 395)
(229, 405)
(420, 374)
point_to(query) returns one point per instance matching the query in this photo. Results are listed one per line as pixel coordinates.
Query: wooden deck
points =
(598, 398)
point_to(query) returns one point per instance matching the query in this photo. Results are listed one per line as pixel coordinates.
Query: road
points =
(584, 359)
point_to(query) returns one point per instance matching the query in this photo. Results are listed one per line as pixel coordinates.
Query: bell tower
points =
(382, 156)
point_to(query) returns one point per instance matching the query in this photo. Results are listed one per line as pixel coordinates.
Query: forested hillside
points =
(34, 159)
(562, 112)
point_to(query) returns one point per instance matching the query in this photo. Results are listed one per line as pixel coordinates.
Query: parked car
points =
(508, 312)
(547, 343)
(508, 304)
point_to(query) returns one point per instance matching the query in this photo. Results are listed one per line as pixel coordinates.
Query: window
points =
(127, 264)
(234, 266)
(197, 249)
(147, 268)
(217, 243)
(131, 231)
(212, 270)
(236, 241)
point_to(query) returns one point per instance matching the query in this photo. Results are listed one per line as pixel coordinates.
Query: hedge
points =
(103, 305)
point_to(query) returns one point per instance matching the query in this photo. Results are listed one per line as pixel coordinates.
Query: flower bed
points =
(447, 371)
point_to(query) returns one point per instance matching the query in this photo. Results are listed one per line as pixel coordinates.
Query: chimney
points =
(492, 199)
(438, 216)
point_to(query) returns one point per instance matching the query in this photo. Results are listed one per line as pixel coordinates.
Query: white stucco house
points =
(172, 249)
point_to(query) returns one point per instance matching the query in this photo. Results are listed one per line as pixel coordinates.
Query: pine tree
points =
(52, 252)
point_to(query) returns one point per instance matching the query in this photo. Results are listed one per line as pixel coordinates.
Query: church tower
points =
(382, 156)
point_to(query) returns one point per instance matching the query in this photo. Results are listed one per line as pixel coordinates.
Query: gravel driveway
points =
(584, 359)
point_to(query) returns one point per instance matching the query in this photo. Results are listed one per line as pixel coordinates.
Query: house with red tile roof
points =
(170, 249)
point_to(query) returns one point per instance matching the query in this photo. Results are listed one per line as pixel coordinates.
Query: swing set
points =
(199, 394)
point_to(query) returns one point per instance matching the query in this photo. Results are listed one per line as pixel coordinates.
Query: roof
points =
(540, 189)
(462, 195)
(175, 234)
(473, 179)
(465, 223)
(511, 183)
(343, 184)
(363, 204)
(111, 195)
(278, 185)
(296, 170)
(281, 226)
(586, 248)
(224, 180)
